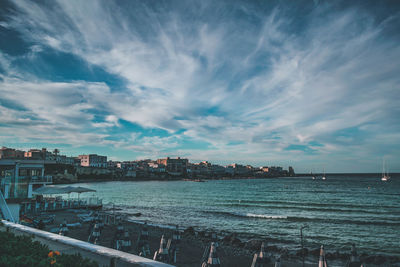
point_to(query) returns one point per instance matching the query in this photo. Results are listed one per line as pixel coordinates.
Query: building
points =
(237, 169)
(176, 166)
(10, 153)
(93, 160)
(35, 154)
(156, 168)
(127, 165)
(19, 177)
(112, 164)
(217, 170)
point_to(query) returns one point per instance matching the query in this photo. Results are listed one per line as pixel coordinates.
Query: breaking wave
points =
(248, 215)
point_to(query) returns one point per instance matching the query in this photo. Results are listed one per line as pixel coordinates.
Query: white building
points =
(18, 180)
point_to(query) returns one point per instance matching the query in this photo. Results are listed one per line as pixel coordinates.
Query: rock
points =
(370, 259)
(379, 260)
(393, 259)
(253, 244)
(344, 256)
(337, 254)
(275, 248)
(302, 252)
(228, 238)
(329, 256)
(284, 252)
(189, 231)
(236, 242)
(315, 252)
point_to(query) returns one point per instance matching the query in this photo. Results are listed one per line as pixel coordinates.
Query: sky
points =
(310, 84)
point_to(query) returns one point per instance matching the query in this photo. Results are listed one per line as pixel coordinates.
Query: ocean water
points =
(342, 210)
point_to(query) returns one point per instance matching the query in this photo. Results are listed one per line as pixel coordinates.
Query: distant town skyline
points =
(308, 84)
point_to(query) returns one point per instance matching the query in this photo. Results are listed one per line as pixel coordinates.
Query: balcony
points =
(46, 179)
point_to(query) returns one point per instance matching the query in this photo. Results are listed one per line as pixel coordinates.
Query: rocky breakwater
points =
(231, 242)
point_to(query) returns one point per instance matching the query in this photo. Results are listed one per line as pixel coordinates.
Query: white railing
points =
(42, 179)
(104, 256)
(5, 210)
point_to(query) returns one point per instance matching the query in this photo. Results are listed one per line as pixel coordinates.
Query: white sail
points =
(385, 174)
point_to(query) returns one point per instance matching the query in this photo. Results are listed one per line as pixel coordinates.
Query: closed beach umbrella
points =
(261, 259)
(263, 252)
(213, 260)
(206, 253)
(354, 259)
(162, 253)
(322, 261)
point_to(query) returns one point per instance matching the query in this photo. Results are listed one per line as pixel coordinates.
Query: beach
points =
(232, 251)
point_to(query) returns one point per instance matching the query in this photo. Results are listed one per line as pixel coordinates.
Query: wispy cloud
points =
(254, 84)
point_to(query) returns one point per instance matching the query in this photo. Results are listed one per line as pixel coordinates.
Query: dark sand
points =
(191, 247)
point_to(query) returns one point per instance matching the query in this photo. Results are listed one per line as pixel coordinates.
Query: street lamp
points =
(302, 242)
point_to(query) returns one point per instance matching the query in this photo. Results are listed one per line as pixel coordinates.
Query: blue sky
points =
(312, 84)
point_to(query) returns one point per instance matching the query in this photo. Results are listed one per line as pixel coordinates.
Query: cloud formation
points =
(255, 84)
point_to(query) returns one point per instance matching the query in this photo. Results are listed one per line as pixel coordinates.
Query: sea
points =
(339, 211)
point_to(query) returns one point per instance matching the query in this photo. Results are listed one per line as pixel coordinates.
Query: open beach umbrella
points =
(80, 190)
(49, 190)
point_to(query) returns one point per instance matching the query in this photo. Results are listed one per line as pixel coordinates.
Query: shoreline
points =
(198, 179)
(169, 179)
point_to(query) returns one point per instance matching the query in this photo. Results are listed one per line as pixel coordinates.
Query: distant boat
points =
(312, 176)
(385, 173)
(323, 176)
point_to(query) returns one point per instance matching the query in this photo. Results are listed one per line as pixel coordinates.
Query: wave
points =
(308, 203)
(264, 216)
(308, 208)
(247, 215)
(305, 219)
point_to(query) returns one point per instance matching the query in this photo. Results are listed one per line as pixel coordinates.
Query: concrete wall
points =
(104, 256)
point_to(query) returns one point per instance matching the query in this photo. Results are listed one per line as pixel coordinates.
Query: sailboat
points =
(385, 174)
(323, 176)
(312, 176)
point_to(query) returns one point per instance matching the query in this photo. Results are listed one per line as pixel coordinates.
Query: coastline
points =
(195, 179)
(165, 179)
